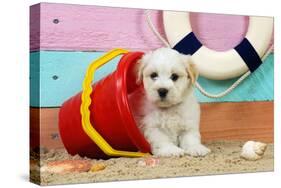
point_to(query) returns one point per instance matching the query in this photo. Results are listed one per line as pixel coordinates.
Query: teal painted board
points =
(62, 73)
(259, 86)
(34, 89)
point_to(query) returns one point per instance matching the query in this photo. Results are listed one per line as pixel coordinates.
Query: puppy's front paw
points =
(197, 150)
(168, 151)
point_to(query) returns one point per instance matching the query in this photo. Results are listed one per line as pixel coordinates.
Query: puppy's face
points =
(167, 76)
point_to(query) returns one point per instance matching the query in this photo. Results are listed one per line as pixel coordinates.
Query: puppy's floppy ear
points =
(141, 65)
(192, 72)
(191, 68)
(139, 71)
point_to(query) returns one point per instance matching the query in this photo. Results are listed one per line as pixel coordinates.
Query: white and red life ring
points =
(214, 64)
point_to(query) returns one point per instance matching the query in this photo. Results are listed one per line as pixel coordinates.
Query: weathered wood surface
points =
(44, 128)
(238, 121)
(219, 121)
(95, 28)
(35, 18)
(59, 75)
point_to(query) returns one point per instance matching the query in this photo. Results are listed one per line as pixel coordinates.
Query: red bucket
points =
(110, 114)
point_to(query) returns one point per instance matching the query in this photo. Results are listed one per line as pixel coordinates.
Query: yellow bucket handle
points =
(86, 102)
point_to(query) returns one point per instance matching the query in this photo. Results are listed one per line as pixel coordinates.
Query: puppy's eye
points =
(154, 75)
(174, 77)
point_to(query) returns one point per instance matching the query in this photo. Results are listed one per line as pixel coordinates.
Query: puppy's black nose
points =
(162, 92)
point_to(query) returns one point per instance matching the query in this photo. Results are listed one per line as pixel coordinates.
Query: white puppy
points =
(171, 113)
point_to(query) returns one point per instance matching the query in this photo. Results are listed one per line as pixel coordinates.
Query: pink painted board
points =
(34, 23)
(94, 28)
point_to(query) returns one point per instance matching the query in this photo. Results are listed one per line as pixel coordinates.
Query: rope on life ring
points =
(179, 39)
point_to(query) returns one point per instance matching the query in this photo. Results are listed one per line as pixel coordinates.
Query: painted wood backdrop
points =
(61, 75)
(56, 28)
(64, 39)
(93, 28)
(218, 122)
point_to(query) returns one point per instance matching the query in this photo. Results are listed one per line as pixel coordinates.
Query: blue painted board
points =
(259, 86)
(61, 75)
(56, 76)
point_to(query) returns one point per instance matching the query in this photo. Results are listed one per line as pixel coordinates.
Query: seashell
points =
(67, 166)
(97, 167)
(150, 161)
(253, 151)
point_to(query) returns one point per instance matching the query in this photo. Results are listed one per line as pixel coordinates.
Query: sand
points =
(225, 158)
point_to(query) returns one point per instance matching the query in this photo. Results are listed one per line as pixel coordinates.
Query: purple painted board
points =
(95, 28)
(34, 26)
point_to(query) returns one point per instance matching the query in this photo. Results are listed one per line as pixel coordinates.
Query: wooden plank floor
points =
(219, 121)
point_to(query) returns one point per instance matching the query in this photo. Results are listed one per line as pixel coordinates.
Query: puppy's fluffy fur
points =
(171, 113)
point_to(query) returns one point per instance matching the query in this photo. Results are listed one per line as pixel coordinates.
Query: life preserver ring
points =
(214, 64)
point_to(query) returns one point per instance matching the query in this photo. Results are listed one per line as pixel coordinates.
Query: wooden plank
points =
(238, 121)
(89, 28)
(219, 121)
(59, 75)
(34, 24)
(34, 127)
(44, 128)
(259, 86)
(96, 28)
